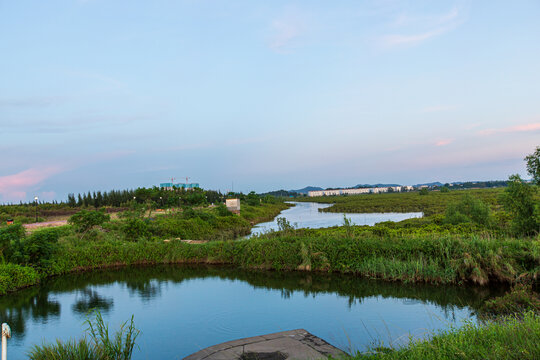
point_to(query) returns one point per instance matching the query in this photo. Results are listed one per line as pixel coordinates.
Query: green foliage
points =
(533, 165)
(520, 299)
(253, 199)
(519, 201)
(510, 338)
(445, 189)
(37, 249)
(8, 235)
(468, 210)
(99, 345)
(14, 277)
(135, 228)
(435, 203)
(223, 211)
(284, 224)
(84, 220)
(424, 191)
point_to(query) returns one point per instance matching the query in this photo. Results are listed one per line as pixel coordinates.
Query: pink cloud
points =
(444, 142)
(512, 129)
(16, 186)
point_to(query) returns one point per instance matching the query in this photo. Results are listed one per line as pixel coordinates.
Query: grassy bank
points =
(430, 259)
(509, 338)
(433, 203)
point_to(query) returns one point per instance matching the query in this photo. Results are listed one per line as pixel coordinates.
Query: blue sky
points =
(101, 94)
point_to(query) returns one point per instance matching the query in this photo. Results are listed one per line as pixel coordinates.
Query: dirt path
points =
(45, 224)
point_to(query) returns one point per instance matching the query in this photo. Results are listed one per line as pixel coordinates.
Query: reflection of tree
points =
(91, 300)
(147, 289)
(147, 282)
(33, 303)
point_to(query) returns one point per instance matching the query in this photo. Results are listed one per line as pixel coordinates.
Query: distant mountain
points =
(360, 186)
(436, 183)
(306, 189)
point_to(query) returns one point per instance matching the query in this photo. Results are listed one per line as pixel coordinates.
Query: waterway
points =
(182, 309)
(307, 215)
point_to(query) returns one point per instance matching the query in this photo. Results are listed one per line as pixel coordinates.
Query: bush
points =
(223, 211)
(14, 277)
(468, 210)
(8, 235)
(85, 220)
(135, 228)
(37, 249)
(518, 200)
(517, 301)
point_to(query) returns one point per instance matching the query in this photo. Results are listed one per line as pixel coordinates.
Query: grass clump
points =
(510, 338)
(96, 345)
(517, 301)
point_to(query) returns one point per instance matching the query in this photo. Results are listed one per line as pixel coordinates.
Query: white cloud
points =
(286, 30)
(419, 29)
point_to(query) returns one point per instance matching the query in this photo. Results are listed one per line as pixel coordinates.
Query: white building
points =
(374, 190)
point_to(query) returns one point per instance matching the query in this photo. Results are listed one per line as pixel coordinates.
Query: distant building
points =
(374, 190)
(171, 186)
(233, 205)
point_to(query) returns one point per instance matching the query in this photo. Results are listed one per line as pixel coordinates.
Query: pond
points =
(307, 215)
(182, 309)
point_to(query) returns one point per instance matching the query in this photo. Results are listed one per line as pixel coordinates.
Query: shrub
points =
(14, 277)
(37, 249)
(468, 210)
(135, 228)
(518, 200)
(517, 301)
(9, 235)
(223, 211)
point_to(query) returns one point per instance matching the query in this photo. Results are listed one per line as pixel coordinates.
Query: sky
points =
(264, 95)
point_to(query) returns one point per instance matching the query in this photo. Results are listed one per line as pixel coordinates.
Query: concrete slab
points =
(293, 344)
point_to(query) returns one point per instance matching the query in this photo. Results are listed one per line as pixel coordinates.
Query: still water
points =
(307, 215)
(182, 309)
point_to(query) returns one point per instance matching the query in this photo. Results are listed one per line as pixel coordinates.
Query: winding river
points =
(307, 215)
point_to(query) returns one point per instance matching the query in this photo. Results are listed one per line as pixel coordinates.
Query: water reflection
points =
(39, 304)
(182, 309)
(89, 299)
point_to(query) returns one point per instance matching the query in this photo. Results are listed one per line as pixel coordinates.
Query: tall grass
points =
(98, 344)
(510, 338)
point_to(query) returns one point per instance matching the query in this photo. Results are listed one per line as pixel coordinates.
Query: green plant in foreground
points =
(509, 338)
(99, 346)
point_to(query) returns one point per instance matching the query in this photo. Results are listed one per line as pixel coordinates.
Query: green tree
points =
(424, 191)
(533, 165)
(518, 200)
(85, 220)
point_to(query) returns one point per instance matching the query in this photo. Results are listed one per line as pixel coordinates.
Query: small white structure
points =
(6, 334)
(233, 205)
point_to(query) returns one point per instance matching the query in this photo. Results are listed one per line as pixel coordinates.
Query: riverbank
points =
(428, 259)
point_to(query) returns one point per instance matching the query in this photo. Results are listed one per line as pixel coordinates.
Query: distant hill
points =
(431, 184)
(306, 189)
(361, 186)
